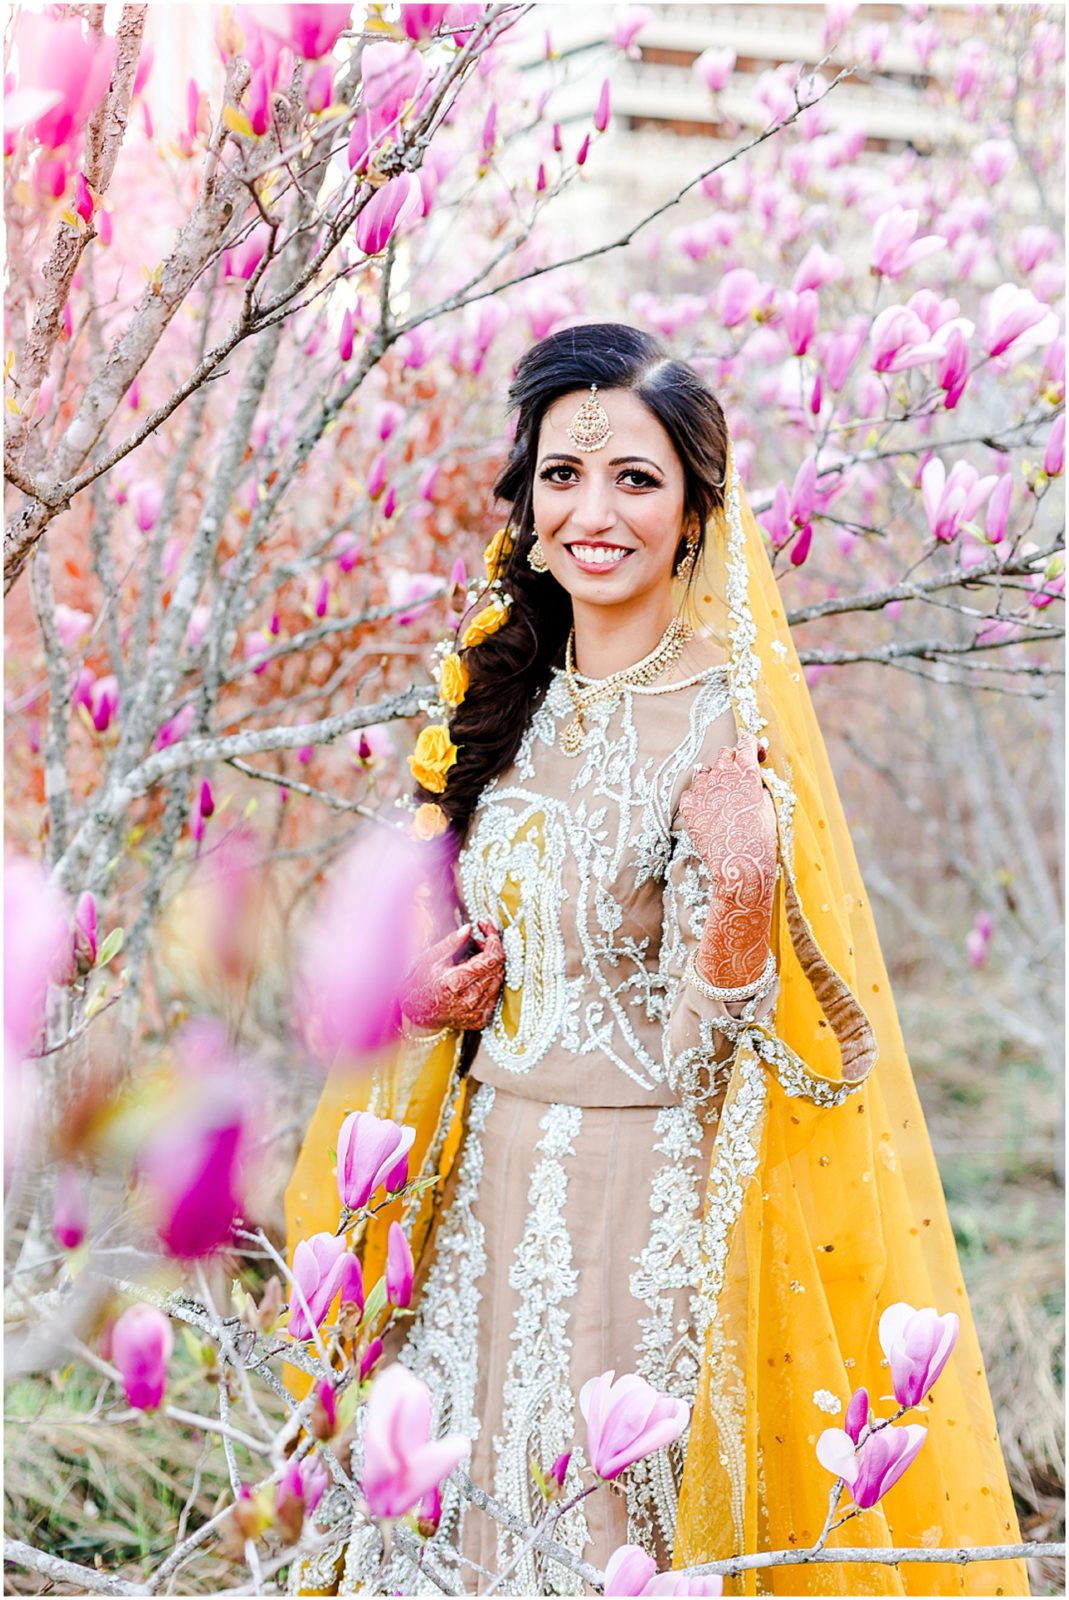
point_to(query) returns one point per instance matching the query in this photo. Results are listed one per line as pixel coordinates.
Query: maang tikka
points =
(589, 429)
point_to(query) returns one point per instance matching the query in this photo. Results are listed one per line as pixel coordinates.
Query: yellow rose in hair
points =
(433, 756)
(429, 821)
(453, 679)
(485, 622)
(497, 553)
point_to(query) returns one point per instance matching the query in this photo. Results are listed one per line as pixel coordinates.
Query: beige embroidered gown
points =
(566, 1241)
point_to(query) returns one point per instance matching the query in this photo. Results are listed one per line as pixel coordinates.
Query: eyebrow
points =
(617, 461)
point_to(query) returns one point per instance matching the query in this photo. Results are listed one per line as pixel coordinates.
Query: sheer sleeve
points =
(697, 1047)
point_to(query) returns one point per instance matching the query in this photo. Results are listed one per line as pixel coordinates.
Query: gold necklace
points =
(661, 657)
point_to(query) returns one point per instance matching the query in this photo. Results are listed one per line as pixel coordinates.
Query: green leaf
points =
(375, 1304)
(347, 1404)
(111, 947)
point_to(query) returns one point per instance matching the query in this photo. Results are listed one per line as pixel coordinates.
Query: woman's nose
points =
(593, 510)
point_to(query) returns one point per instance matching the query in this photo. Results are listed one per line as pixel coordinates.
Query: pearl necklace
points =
(667, 650)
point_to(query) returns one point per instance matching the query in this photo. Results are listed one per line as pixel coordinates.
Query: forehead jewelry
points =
(589, 429)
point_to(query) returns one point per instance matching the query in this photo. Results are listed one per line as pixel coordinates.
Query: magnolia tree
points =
(254, 411)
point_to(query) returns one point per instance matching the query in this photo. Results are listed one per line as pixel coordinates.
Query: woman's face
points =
(609, 519)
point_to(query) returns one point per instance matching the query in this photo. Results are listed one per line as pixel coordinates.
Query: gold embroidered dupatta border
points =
(823, 1203)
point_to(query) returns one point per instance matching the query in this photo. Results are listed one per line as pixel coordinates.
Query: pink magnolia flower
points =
(405, 588)
(737, 293)
(882, 1460)
(370, 1149)
(141, 1345)
(352, 965)
(36, 949)
(192, 1169)
(918, 1345)
(626, 1420)
(70, 1213)
(998, 509)
(559, 1471)
(68, 68)
(429, 1513)
(389, 207)
(322, 1269)
(305, 1480)
(84, 933)
(202, 810)
(146, 498)
(992, 159)
(1054, 454)
(320, 86)
(857, 1414)
(71, 626)
(1049, 584)
(421, 21)
(369, 1358)
(582, 152)
(176, 727)
(836, 355)
(1014, 317)
(627, 27)
(391, 75)
(104, 701)
(952, 373)
(348, 549)
(628, 1571)
(602, 111)
(309, 30)
(894, 247)
(399, 1265)
(900, 339)
(1032, 246)
(714, 68)
(84, 203)
(978, 939)
(951, 500)
(345, 337)
(817, 268)
(402, 1462)
(800, 313)
(241, 260)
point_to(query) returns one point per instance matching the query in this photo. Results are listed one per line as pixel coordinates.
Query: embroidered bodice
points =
(584, 864)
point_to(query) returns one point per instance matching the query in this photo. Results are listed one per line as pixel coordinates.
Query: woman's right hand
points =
(436, 993)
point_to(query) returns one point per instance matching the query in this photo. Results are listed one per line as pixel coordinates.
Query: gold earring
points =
(536, 556)
(686, 566)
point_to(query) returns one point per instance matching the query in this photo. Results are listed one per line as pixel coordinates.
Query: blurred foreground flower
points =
(69, 71)
(141, 1345)
(35, 941)
(70, 1214)
(626, 1420)
(191, 1169)
(402, 1463)
(363, 939)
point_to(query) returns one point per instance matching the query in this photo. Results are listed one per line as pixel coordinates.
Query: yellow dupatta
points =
(823, 1204)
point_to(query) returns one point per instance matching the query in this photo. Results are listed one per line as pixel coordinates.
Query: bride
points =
(652, 1054)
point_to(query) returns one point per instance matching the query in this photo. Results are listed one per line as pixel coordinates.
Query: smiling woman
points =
(647, 1090)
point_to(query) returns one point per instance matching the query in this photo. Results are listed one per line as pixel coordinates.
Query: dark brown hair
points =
(510, 670)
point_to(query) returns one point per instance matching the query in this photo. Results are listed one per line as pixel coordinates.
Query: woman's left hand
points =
(731, 817)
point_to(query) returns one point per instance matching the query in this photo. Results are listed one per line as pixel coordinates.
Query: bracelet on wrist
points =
(756, 990)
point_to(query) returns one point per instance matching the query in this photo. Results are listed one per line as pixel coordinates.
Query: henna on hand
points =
(731, 818)
(436, 993)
